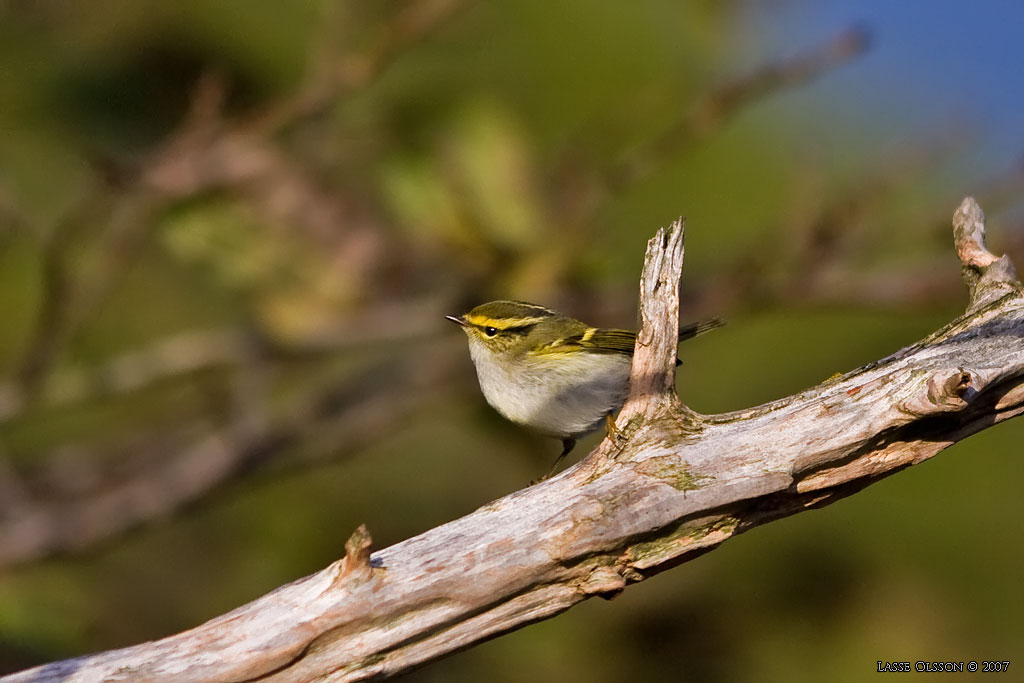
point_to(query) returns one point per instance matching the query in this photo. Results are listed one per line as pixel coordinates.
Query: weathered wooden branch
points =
(673, 485)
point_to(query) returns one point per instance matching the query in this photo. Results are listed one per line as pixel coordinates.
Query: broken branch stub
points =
(652, 379)
(988, 277)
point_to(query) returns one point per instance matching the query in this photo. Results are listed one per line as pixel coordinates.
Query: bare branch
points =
(677, 486)
(206, 152)
(175, 356)
(176, 471)
(331, 75)
(714, 109)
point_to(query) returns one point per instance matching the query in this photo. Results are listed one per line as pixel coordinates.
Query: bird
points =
(550, 373)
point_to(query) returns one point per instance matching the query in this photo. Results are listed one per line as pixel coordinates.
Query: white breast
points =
(561, 396)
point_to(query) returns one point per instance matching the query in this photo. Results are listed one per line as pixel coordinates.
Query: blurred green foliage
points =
(474, 165)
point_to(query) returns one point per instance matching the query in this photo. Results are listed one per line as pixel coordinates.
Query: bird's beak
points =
(457, 320)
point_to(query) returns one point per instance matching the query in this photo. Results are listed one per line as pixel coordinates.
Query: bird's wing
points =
(605, 340)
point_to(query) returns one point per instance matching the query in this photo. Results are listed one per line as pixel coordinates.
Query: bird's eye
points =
(490, 331)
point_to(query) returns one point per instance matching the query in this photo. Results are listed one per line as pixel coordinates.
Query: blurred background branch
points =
(210, 154)
(714, 109)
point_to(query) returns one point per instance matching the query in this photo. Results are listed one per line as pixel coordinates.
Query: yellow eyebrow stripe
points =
(503, 323)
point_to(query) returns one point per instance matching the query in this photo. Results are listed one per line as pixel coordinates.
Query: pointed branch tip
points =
(988, 277)
(969, 235)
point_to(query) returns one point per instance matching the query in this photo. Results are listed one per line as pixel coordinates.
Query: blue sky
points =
(933, 65)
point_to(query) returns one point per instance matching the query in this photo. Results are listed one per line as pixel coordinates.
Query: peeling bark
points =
(672, 485)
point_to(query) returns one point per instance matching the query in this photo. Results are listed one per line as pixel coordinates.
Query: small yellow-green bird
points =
(551, 373)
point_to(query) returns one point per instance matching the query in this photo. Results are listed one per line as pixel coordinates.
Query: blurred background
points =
(229, 232)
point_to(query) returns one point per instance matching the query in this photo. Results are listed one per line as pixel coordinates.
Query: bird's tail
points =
(696, 329)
